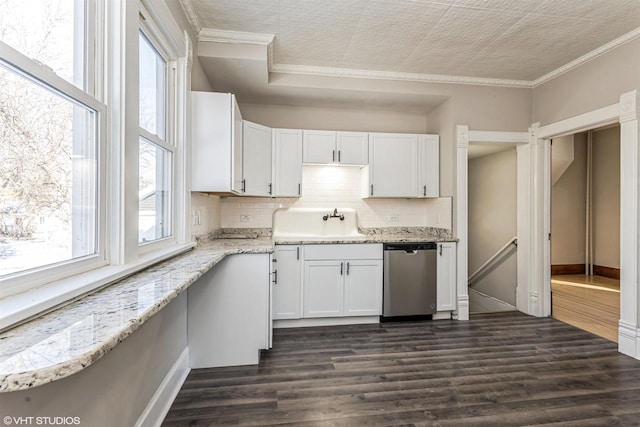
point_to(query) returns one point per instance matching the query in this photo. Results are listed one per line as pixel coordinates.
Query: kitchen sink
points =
(316, 224)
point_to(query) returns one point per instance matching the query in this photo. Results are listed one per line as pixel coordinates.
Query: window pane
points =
(51, 32)
(48, 176)
(152, 89)
(154, 192)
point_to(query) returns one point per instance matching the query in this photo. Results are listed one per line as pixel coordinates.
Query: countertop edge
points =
(37, 377)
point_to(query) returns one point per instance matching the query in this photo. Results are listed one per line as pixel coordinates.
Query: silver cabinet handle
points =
(275, 277)
(371, 190)
(339, 156)
(440, 250)
(333, 156)
(341, 267)
(424, 192)
(244, 185)
(298, 252)
(270, 188)
(347, 269)
(299, 189)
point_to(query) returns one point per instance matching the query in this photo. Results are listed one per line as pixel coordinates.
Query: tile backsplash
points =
(338, 187)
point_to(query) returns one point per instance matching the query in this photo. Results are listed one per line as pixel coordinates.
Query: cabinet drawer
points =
(343, 251)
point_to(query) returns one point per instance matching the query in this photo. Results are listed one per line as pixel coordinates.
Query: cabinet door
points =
(429, 147)
(319, 146)
(323, 288)
(287, 282)
(393, 165)
(353, 148)
(446, 288)
(236, 151)
(363, 288)
(287, 166)
(256, 153)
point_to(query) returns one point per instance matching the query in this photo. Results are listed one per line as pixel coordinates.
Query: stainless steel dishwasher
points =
(409, 279)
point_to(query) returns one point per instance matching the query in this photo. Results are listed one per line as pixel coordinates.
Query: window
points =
(65, 195)
(155, 158)
(51, 141)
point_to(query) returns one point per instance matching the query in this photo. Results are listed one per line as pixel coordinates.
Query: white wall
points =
(606, 197)
(595, 84)
(284, 116)
(115, 390)
(568, 204)
(492, 222)
(338, 187)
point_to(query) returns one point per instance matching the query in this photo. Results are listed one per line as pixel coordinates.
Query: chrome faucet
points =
(334, 214)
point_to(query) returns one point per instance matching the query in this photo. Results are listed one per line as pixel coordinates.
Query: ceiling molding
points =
(191, 15)
(394, 75)
(632, 35)
(225, 36)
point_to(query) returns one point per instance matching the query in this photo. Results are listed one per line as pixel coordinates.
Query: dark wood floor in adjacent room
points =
(504, 369)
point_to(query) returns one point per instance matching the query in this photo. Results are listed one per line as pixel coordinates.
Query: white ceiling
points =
(307, 52)
(496, 39)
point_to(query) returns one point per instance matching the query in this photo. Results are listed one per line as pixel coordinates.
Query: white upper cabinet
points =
(287, 162)
(326, 147)
(393, 166)
(353, 148)
(256, 154)
(319, 146)
(402, 165)
(216, 162)
(429, 148)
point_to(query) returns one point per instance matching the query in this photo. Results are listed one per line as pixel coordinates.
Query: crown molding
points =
(191, 15)
(395, 75)
(631, 35)
(225, 36)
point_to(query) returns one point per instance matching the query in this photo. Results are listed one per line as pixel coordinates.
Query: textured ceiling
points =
(498, 39)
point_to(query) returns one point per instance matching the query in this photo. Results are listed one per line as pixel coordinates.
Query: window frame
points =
(158, 39)
(47, 79)
(112, 31)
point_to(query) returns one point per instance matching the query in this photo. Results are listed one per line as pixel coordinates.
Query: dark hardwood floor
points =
(504, 369)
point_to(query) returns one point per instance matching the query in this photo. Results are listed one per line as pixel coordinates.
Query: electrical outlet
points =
(245, 218)
(393, 218)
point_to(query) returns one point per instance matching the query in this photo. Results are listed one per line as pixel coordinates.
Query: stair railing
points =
(476, 274)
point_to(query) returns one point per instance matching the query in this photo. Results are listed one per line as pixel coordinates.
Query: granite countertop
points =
(383, 235)
(69, 339)
(73, 337)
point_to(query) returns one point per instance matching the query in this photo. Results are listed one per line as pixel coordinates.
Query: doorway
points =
(585, 230)
(492, 227)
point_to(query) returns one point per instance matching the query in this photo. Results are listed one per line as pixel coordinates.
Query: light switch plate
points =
(245, 218)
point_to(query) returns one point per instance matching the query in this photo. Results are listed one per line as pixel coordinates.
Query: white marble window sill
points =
(24, 306)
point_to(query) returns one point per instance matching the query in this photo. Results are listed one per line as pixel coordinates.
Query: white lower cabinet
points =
(287, 281)
(446, 281)
(363, 288)
(228, 319)
(342, 280)
(323, 288)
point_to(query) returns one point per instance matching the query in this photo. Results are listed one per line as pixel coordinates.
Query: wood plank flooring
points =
(504, 369)
(591, 303)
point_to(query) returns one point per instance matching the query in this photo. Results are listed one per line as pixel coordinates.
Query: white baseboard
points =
(480, 302)
(163, 398)
(325, 321)
(628, 339)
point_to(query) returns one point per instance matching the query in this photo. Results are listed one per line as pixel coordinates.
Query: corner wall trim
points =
(163, 398)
